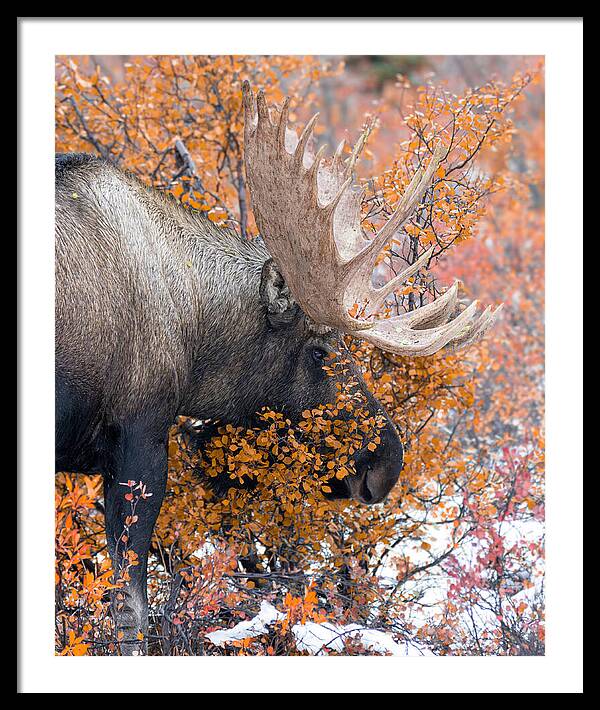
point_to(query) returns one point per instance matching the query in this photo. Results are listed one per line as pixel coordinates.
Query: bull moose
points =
(160, 313)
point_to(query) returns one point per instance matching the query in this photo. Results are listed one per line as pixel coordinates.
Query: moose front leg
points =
(134, 491)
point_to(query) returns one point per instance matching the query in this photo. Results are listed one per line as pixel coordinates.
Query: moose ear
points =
(276, 296)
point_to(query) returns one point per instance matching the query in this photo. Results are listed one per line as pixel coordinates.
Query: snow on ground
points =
(256, 626)
(317, 638)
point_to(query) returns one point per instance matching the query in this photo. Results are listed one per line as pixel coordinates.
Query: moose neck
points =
(226, 322)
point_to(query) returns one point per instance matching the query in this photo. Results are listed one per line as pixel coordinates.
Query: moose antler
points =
(308, 213)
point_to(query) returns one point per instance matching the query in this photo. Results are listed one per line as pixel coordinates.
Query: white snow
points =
(248, 629)
(317, 638)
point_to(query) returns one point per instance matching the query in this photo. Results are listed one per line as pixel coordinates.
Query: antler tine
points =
(308, 214)
(379, 295)
(435, 313)
(393, 335)
(283, 122)
(359, 270)
(331, 206)
(357, 150)
(364, 262)
(313, 170)
(300, 152)
(249, 107)
(263, 110)
(338, 163)
(478, 330)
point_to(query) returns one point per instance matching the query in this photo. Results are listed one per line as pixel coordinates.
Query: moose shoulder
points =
(161, 313)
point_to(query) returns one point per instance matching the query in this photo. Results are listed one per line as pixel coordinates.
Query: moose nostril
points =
(366, 496)
(365, 492)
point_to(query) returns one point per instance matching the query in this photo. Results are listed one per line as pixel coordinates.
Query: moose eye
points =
(319, 355)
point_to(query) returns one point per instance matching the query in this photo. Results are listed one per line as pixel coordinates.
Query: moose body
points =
(160, 313)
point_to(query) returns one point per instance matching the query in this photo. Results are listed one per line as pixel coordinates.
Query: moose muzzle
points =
(377, 471)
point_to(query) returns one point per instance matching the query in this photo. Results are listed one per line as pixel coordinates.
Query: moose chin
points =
(160, 313)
